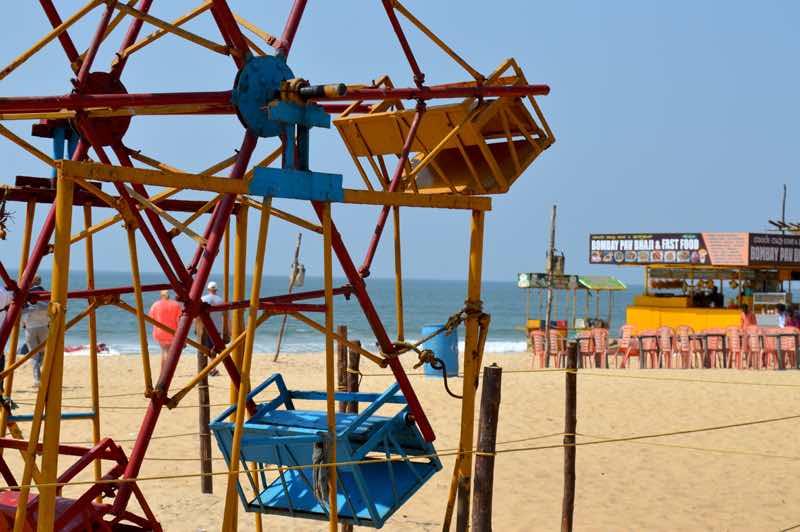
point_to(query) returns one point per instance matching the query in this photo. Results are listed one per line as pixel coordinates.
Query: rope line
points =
(705, 449)
(407, 459)
(679, 379)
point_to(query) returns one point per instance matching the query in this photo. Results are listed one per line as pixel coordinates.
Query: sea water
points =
(425, 302)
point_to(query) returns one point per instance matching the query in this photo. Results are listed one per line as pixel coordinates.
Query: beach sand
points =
(655, 484)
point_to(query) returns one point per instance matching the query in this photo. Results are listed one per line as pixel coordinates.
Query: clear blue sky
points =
(669, 116)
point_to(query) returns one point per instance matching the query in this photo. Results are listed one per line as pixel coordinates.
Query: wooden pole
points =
(204, 417)
(93, 363)
(471, 371)
(551, 251)
(570, 425)
(353, 383)
(343, 385)
(292, 281)
(484, 459)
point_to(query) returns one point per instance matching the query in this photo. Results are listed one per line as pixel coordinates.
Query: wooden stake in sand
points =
(570, 425)
(204, 417)
(484, 459)
(345, 384)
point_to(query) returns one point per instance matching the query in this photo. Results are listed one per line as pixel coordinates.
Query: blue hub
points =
(258, 86)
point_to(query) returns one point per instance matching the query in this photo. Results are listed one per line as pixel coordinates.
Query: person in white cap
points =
(211, 298)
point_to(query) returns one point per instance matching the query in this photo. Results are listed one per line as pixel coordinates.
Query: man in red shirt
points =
(168, 312)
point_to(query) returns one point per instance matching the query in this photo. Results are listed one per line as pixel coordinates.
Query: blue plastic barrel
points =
(444, 347)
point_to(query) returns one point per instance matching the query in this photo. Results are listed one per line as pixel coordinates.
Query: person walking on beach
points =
(781, 315)
(747, 318)
(36, 321)
(168, 312)
(211, 298)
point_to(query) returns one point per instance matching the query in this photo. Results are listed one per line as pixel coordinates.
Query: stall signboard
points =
(539, 280)
(774, 249)
(711, 249)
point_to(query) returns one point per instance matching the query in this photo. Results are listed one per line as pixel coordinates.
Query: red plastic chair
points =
(684, 347)
(715, 346)
(789, 346)
(586, 349)
(649, 347)
(558, 348)
(600, 342)
(627, 345)
(770, 347)
(755, 349)
(666, 345)
(737, 347)
(537, 347)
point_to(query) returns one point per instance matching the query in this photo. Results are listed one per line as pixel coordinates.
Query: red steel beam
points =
(285, 298)
(230, 31)
(64, 38)
(37, 295)
(395, 182)
(100, 32)
(419, 76)
(34, 104)
(386, 345)
(39, 251)
(130, 38)
(290, 29)
(8, 281)
(218, 223)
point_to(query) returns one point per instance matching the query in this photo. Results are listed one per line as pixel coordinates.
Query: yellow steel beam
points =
(58, 30)
(180, 21)
(25, 145)
(433, 37)
(76, 66)
(231, 495)
(108, 222)
(341, 339)
(285, 216)
(330, 384)
(402, 199)
(176, 30)
(193, 343)
(270, 40)
(115, 174)
(149, 205)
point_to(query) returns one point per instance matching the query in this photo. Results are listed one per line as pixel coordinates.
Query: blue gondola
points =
(368, 493)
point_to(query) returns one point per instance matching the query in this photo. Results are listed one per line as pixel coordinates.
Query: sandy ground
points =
(652, 485)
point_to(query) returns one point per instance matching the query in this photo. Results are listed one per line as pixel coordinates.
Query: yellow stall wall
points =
(651, 317)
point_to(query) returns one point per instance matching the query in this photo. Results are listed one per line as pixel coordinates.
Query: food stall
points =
(568, 291)
(701, 279)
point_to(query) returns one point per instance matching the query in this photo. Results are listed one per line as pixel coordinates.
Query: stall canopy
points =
(601, 282)
(569, 282)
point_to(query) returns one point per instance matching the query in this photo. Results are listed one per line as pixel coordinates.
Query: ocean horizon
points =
(426, 302)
